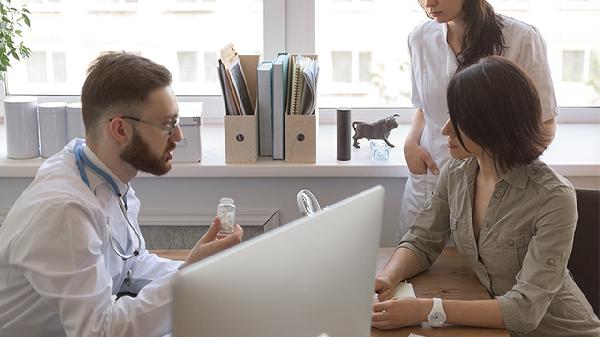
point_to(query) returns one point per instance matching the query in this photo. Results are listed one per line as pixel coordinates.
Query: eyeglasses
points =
(167, 128)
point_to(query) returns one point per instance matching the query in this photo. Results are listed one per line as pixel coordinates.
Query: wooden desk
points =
(448, 278)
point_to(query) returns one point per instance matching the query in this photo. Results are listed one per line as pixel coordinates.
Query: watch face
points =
(437, 319)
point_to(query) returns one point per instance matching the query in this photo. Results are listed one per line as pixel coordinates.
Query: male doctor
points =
(71, 242)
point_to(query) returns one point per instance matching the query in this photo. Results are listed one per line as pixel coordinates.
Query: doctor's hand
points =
(384, 288)
(398, 313)
(212, 242)
(418, 159)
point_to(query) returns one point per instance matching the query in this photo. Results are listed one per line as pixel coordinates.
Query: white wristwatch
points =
(437, 316)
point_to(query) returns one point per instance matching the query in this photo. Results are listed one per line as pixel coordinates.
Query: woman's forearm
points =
(417, 125)
(403, 264)
(481, 313)
(550, 130)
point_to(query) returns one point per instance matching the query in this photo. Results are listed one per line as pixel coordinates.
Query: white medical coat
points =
(433, 63)
(58, 273)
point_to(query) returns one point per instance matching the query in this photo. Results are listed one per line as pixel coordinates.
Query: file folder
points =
(241, 131)
(265, 109)
(279, 85)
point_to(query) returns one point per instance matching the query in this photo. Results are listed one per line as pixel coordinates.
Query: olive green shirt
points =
(523, 248)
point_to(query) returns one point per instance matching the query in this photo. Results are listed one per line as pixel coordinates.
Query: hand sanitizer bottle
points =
(226, 213)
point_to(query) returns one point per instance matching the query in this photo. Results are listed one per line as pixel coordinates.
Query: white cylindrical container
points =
(52, 117)
(226, 214)
(75, 128)
(22, 138)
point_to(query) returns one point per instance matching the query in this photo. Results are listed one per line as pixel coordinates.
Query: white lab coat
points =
(58, 272)
(433, 63)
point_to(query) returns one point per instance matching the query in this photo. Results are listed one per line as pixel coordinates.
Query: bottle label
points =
(227, 218)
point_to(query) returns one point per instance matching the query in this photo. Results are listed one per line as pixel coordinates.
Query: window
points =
(373, 34)
(210, 64)
(188, 66)
(364, 66)
(36, 67)
(30, 2)
(186, 39)
(350, 66)
(59, 67)
(380, 28)
(500, 5)
(594, 79)
(573, 65)
(580, 4)
(361, 44)
(46, 67)
(341, 65)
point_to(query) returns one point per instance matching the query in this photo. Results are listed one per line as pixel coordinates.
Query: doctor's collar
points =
(123, 187)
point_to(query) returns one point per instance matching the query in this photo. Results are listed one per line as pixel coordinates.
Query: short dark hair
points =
(497, 105)
(119, 82)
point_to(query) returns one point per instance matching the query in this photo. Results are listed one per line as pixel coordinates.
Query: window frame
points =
(290, 25)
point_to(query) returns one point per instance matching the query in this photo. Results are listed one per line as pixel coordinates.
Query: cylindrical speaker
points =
(75, 128)
(52, 117)
(22, 137)
(343, 134)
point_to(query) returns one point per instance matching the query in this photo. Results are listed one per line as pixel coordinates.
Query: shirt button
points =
(550, 262)
(511, 242)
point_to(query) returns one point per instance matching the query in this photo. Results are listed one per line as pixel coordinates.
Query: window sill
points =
(574, 152)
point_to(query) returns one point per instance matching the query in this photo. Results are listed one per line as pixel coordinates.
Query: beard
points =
(139, 155)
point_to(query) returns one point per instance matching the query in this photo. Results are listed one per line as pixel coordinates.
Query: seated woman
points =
(508, 213)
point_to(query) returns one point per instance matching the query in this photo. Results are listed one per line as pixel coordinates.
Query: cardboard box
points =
(241, 132)
(189, 149)
(300, 138)
(241, 139)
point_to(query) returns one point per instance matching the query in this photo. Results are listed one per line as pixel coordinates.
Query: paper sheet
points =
(403, 290)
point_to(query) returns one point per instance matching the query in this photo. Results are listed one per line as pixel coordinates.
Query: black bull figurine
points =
(378, 130)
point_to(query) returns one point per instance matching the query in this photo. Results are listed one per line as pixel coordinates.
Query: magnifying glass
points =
(307, 203)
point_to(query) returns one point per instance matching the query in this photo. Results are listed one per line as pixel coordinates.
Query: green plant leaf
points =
(12, 20)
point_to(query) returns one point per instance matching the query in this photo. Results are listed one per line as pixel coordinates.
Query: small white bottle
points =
(226, 213)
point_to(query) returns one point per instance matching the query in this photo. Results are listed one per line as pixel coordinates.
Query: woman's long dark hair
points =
(497, 105)
(483, 32)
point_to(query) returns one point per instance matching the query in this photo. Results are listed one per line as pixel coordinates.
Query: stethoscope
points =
(82, 160)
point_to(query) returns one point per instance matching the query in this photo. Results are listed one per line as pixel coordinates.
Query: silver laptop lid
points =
(312, 276)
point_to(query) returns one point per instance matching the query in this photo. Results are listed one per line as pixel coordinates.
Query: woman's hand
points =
(418, 159)
(398, 313)
(383, 287)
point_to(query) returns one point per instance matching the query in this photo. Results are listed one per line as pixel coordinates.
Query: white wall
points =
(193, 194)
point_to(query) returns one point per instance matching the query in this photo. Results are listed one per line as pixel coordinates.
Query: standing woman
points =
(459, 33)
(511, 216)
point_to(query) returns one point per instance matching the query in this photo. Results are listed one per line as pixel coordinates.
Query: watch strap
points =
(436, 310)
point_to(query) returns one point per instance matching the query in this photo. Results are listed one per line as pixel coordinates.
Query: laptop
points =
(313, 277)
